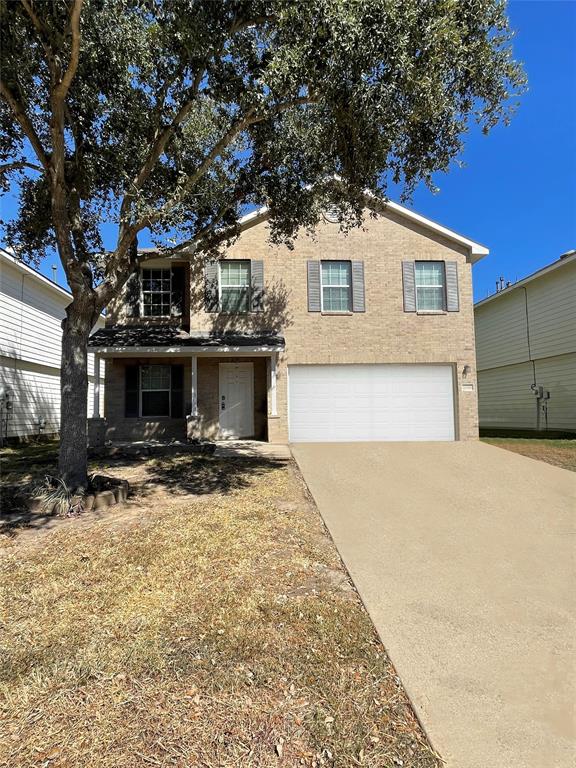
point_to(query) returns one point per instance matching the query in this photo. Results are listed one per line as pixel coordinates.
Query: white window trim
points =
(141, 390)
(169, 268)
(442, 285)
(249, 286)
(328, 285)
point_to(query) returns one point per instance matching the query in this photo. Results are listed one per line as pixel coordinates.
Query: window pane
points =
(156, 292)
(335, 273)
(235, 299)
(235, 273)
(429, 298)
(429, 273)
(336, 299)
(155, 377)
(155, 403)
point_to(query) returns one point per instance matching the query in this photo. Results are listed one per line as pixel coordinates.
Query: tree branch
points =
(63, 86)
(250, 118)
(20, 114)
(6, 167)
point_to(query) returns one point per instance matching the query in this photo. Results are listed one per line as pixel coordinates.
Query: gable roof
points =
(477, 250)
(564, 260)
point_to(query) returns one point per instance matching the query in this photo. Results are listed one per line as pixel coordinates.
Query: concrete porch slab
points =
(252, 449)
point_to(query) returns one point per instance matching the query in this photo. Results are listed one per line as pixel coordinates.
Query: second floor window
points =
(430, 286)
(336, 286)
(234, 286)
(156, 292)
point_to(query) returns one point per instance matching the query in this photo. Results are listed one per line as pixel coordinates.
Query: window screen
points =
(336, 293)
(234, 286)
(156, 292)
(430, 286)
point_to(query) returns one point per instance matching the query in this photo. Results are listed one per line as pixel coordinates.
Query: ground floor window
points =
(155, 386)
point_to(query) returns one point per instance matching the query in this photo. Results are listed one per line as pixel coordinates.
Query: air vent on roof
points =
(331, 214)
(568, 253)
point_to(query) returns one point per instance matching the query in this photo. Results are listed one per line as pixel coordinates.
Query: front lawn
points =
(207, 623)
(560, 453)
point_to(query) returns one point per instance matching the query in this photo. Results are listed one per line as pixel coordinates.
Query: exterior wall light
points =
(466, 370)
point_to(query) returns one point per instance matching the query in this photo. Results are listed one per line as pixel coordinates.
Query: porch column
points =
(272, 384)
(96, 403)
(194, 385)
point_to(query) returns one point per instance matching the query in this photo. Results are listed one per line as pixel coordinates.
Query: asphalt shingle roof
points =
(168, 336)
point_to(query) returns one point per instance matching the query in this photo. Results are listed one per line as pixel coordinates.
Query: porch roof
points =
(163, 337)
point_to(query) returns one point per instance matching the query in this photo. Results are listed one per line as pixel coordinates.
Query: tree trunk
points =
(73, 459)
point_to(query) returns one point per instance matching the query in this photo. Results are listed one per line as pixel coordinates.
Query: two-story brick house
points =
(364, 336)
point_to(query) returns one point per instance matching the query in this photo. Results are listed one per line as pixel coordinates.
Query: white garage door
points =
(340, 403)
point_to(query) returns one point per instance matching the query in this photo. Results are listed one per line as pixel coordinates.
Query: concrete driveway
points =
(464, 555)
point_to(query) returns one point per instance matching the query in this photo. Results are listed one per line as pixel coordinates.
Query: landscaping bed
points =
(209, 622)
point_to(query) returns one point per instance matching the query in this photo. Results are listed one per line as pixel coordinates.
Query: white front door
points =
(236, 400)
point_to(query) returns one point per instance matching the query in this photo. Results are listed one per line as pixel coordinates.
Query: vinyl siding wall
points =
(543, 313)
(31, 312)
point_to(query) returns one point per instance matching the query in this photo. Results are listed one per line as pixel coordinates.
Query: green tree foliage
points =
(174, 116)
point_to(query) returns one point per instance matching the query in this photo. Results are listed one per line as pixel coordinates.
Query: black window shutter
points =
(132, 398)
(177, 394)
(133, 294)
(177, 309)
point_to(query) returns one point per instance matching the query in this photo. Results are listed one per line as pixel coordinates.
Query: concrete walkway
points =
(252, 449)
(464, 555)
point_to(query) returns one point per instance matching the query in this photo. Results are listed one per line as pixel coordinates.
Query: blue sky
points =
(517, 191)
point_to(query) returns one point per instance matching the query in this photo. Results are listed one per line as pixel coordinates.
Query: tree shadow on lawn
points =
(183, 474)
(177, 474)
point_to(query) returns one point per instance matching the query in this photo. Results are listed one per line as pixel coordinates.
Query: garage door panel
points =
(331, 403)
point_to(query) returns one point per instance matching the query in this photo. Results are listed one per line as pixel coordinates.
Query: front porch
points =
(213, 389)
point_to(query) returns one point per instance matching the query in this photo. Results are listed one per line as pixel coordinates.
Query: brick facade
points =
(384, 333)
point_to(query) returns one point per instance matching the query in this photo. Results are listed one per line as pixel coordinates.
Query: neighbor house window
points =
(155, 390)
(156, 292)
(234, 286)
(336, 291)
(430, 286)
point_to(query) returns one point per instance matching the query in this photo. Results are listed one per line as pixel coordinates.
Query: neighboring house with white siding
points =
(31, 311)
(526, 352)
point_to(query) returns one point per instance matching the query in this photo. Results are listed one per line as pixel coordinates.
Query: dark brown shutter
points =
(133, 294)
(177, 392)
(178, 277)
(132, 398)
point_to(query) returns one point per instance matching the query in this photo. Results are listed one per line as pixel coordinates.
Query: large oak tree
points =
(176, 116)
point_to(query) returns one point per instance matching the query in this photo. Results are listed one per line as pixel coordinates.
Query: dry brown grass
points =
(212, 627)
(560, 453)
